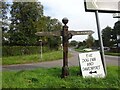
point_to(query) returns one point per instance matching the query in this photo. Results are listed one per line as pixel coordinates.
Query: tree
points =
(80, 44)
(54, 25)
(96, 44)
(46, 24)
(23, 28)
(117, 32)
(117, 27)
(90, 41)
(108, 36)
(43, 23)
(4, 10)
(73, 43)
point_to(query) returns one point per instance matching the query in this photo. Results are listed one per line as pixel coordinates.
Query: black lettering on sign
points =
(85, 60)
(92, 59)
(91, 72)
(95, 67)
(91, 68)
(86, 68)
(88, 55)
(98, 67)
(90, 64)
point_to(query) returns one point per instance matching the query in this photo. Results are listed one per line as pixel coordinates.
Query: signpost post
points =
(66, 35)
(40, 48)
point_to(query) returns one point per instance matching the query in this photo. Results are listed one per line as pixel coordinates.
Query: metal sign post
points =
(101, 42)
(66, 35)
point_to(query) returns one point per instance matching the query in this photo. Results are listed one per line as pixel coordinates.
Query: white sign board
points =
(91, 64)
(102, 5)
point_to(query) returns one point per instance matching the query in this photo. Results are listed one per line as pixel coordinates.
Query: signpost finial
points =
(65, 20)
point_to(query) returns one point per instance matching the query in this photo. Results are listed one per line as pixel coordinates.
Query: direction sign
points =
(83, 32)
(109, 6)
(59, 33)
(53, 33)
(91, 64)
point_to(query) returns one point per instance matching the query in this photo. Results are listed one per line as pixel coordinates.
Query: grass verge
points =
(113, 54)
(50, 78)
(49, 56)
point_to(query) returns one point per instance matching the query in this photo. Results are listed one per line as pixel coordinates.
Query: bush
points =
(22, 50)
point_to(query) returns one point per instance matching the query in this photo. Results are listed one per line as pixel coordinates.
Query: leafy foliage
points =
(109, 36)
(26, 19)
(117, 27)
(22, 29)
(3, 12)
(73, 43)
(106, 35)
(46, 24)
(22, 50)
(96, 43)
(90, 41)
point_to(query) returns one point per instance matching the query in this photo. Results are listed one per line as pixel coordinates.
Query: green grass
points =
(50, 78)
(0, 79)
(113, 54)
(79, 50)
(49, 56)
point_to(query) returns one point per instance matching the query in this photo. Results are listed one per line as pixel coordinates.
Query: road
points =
(73, 61)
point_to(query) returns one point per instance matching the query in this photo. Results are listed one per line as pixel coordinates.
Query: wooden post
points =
(65, 71)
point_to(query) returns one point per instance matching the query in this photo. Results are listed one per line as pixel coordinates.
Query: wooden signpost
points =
(66, 35)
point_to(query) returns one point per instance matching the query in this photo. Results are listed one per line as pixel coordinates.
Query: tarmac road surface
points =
(73, 61)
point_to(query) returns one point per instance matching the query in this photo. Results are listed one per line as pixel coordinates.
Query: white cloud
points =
(78, 18)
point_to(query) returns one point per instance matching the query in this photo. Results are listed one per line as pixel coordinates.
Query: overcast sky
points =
(78, 18)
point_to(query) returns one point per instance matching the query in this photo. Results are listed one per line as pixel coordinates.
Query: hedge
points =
(115, 50)
(22, 50)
